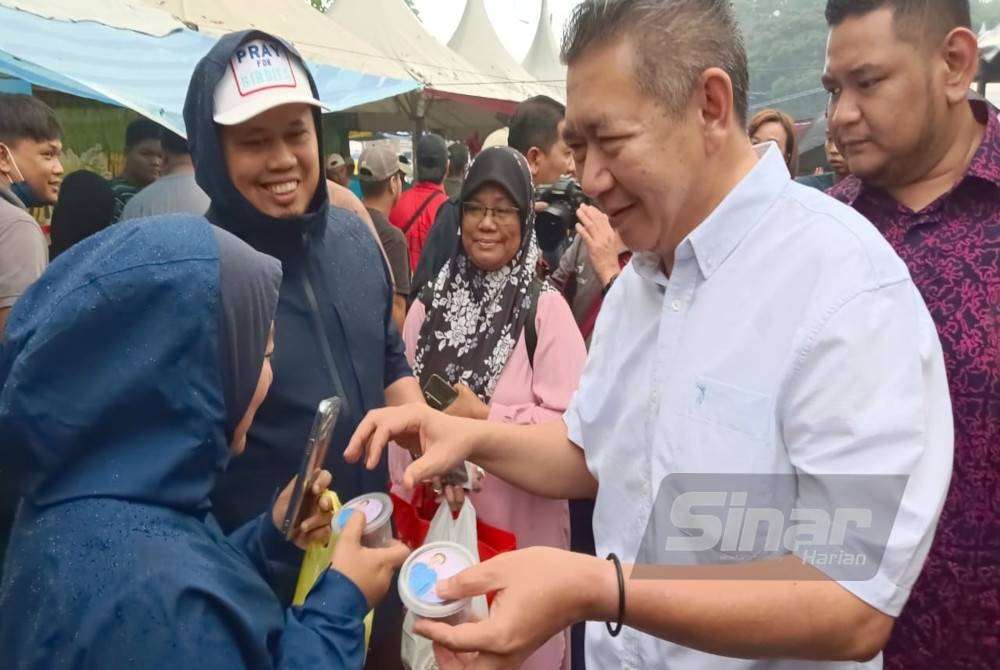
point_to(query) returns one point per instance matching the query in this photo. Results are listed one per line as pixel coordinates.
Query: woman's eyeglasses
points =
(477, 212)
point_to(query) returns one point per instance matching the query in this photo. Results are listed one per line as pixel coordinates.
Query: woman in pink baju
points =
(469, 328)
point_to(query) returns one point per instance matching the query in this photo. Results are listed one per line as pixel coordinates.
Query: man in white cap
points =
(381, 180)
(253, 120)
(336, 170)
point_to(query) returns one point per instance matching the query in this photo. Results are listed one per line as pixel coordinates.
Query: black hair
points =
(458, 158)
(913, 20)
(141, 130)
(174, 143)
(26, 117)
(536, 124)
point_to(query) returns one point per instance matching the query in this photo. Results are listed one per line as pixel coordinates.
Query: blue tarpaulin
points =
(145, 73)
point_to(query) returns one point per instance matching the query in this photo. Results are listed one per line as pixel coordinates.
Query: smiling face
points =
(640, 163)
(492, 241)
(37, 163)
(273, 159)
(886, 96)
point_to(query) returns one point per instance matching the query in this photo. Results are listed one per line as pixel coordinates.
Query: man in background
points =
(30, 175)
(143, 162)
(926, 171)
(176, 191)
(381, 185)
(415, 212)
(458, 163)
(336, 170)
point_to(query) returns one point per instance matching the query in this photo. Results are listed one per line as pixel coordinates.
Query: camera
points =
(558, 221)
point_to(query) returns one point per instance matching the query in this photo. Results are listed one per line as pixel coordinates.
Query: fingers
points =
(353, 529)
(314, 522)
(474, 581)
(455, 495)
(321, 482)
(380, 438)
(425, 468)
(464, 637)
(394, 554)
(356, 447)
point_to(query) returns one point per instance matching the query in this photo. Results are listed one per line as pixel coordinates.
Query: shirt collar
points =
(985, 162)
(715, 238)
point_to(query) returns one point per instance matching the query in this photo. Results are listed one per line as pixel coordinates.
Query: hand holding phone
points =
(302, 497)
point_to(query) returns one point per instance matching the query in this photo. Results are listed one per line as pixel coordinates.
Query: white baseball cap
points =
(262, 75)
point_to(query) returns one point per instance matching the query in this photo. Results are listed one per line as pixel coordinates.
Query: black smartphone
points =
(439, 393)
(312, 462)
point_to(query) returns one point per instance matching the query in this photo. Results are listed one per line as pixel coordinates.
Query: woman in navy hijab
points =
(130, 374)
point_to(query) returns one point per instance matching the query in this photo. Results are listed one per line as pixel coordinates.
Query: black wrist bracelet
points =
(611, 282)
(617, 628)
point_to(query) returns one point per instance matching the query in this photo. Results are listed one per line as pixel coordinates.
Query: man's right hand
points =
(371, 570)
(439, 443)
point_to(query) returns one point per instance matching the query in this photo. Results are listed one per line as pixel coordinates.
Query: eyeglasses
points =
(477, 212)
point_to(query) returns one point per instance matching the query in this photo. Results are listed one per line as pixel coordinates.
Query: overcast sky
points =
(514, 20)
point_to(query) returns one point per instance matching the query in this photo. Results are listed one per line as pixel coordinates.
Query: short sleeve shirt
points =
(23, 249)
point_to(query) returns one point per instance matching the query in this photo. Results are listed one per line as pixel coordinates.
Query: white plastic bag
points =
(416, 652)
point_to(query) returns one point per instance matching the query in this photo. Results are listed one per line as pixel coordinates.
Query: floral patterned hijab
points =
(474, 318)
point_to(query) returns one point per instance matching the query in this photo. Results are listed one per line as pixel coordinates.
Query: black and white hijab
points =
(474, 318)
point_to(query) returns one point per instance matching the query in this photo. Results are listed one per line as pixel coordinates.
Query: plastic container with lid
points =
(421, 572)
(377, 508)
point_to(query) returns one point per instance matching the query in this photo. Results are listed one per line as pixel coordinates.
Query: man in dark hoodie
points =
(252, 115)
(253, 122)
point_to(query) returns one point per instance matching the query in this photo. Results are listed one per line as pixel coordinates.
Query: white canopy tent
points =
(125, 53)
(542, 59)
(458, 97)
(476, 40)
(317, 37)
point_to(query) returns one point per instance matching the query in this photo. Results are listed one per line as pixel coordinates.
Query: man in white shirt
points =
(761, 330)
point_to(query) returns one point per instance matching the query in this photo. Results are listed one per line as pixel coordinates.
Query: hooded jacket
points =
(334, 333)
(124, 371)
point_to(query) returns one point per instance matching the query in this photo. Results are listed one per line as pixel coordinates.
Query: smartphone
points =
(312, 462)
(439, 393)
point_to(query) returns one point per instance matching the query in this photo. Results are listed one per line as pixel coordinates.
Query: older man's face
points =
(638, 162)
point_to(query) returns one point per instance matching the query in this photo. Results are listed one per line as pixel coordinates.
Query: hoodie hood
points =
(230, 210)
(128, 363)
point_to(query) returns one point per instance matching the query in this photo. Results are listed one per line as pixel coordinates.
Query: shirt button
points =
(676, 305)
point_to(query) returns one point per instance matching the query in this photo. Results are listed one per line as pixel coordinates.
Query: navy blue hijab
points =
(127, 366)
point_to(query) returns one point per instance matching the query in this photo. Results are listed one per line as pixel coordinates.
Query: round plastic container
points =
(421, 572)
(377, 508)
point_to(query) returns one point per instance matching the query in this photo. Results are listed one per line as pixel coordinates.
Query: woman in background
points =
(772, 125)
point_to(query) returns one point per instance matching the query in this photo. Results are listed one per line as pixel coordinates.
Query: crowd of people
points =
(713, 311)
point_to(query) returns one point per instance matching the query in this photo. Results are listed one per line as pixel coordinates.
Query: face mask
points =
(21, 188)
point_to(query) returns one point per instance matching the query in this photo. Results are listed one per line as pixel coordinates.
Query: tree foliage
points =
(786, 42)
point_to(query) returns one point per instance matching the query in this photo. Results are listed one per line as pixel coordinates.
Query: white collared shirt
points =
(788, 339)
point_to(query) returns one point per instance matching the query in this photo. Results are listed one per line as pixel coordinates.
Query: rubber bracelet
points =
(617, 628)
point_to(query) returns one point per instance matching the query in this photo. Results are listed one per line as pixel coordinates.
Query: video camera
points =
(558, 221)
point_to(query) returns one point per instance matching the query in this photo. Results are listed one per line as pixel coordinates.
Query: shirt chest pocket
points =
(727, 428)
